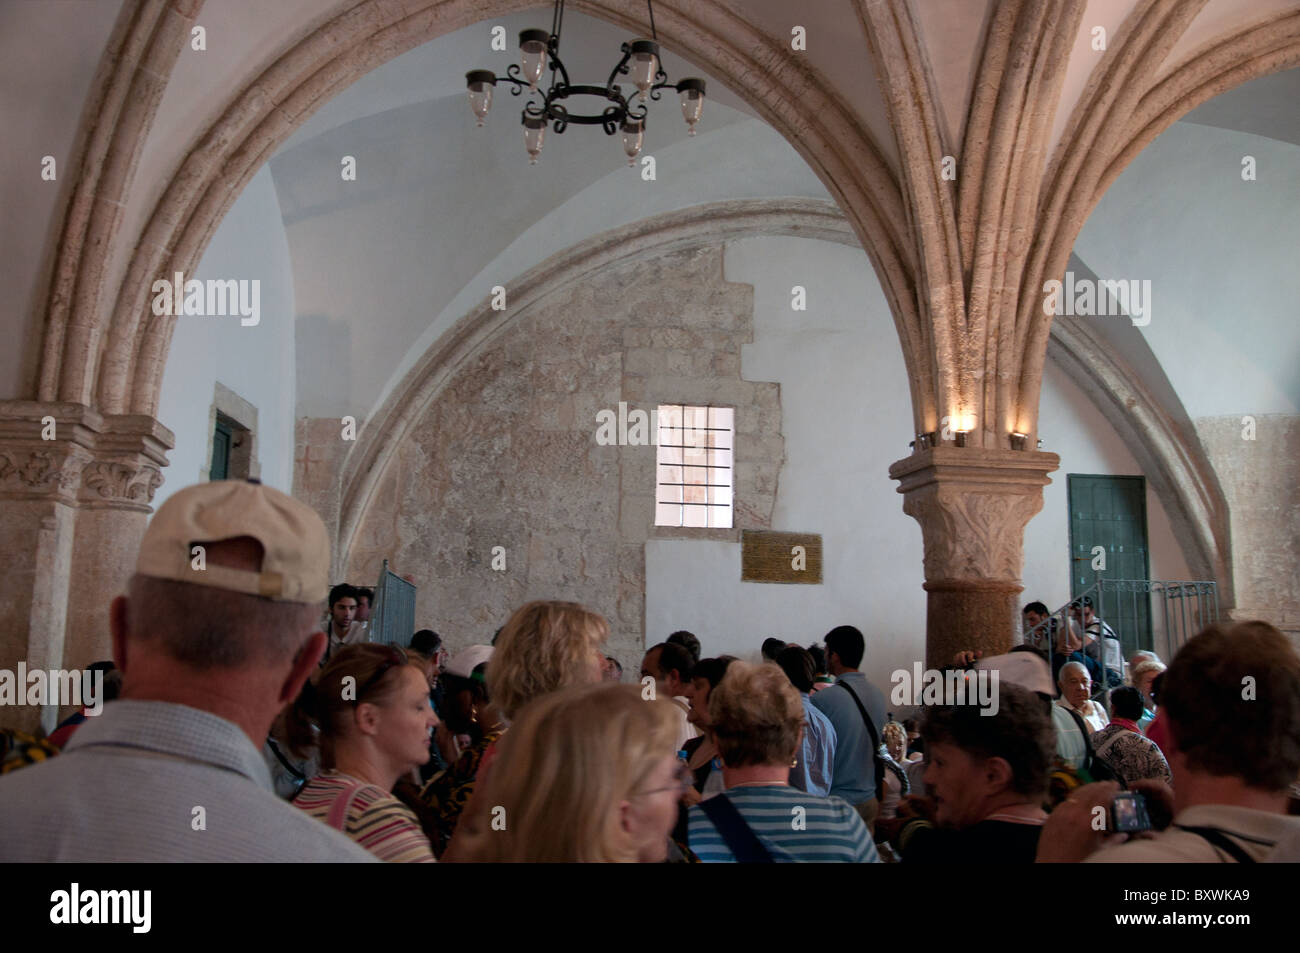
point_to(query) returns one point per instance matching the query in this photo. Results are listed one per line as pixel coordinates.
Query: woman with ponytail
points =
(368, 712)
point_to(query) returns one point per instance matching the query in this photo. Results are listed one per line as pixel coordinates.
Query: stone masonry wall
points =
(1259, 478)
(506, 454)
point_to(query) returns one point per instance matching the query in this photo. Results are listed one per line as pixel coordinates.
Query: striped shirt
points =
(375, 819)
(826, 830)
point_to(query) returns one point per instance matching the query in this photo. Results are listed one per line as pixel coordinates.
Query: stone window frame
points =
(244, 416)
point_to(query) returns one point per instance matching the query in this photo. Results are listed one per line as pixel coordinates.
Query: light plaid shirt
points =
(130, 786)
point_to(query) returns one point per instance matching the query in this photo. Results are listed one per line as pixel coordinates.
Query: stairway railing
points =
(1186, 608)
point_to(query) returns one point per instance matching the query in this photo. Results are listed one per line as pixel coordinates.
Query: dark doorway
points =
(1111, 512)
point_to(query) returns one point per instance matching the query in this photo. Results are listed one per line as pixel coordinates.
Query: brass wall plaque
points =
(766, 556)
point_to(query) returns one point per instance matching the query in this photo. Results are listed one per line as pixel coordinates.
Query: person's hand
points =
(691, 797)
(1078, 826)
(887, 828)
(963, 659)
(916, 805)
(1160, 801)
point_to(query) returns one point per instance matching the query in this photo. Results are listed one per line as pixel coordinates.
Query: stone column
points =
(973, 505)
(113, 500)
(75, 488)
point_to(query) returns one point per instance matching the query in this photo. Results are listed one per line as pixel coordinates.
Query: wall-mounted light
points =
(960, 437)
(926, 440)
(1019, 440)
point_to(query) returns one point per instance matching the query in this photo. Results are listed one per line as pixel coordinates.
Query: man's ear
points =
(304, 663)
(998, 774)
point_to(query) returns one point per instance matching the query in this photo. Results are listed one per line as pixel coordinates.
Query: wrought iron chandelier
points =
(626, 115)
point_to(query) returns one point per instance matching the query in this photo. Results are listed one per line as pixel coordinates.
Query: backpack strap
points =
(875, 740)
(740, 837)
(1221, 841)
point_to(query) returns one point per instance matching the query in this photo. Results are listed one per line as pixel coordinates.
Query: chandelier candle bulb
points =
(534, 136)
(480, 83)
(692, 93)
(633, 136)
(645, 64)
(532, 55)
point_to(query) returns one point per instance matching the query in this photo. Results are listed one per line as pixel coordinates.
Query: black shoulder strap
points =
(875, 740)
(740, 837)
(1098, 768)
(1083, 730)
(1221, 841)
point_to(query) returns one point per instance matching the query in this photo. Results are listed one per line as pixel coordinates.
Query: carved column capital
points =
(973, 504)
(68, 453)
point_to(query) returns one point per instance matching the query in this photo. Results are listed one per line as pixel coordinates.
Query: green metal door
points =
(1110, 512)
(220, 450)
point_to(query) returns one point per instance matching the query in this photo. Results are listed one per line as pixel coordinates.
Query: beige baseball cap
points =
(296, 560)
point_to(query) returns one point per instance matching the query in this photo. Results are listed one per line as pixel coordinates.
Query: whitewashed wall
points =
(846, 418)
(256, 362)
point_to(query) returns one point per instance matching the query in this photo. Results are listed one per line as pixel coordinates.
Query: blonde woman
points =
(368, 711)
(586, 774)
(757, 718)
(544, 647)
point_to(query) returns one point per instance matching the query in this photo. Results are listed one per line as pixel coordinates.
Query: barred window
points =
(695, 466)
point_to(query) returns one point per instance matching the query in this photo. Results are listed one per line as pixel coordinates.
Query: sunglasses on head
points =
(394, 658)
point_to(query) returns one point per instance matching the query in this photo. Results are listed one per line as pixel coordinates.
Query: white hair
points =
(1060, 678)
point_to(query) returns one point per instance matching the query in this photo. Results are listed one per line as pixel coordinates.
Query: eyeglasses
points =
(683, 779)
(395, 658)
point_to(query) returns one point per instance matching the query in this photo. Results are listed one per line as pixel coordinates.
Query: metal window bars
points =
(1186, 608)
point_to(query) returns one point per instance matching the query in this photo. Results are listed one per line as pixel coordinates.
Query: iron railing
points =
(1186, 608)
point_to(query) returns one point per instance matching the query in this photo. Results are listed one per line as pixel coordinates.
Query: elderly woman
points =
(757, 718)
(987, 777)
(894, 740)
(586, 774)
(544, 647)
(1143, 670)
(368, 711)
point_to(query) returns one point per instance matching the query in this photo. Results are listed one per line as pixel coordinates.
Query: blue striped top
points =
(826, 830)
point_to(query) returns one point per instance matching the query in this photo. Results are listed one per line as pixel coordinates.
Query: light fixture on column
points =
(959, 437)
(538, 49)
(1018, 441)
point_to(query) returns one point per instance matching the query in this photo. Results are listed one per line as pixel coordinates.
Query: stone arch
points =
(1091, 154)
(711, 223)
(110, 358)
(129, 347)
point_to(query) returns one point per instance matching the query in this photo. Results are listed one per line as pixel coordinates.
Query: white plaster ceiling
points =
(437, 215)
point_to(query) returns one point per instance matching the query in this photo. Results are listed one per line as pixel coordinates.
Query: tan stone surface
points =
(1261, 479)
(76, 505)
(506, 454)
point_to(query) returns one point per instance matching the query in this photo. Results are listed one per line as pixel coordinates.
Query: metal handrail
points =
(1187, 607)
